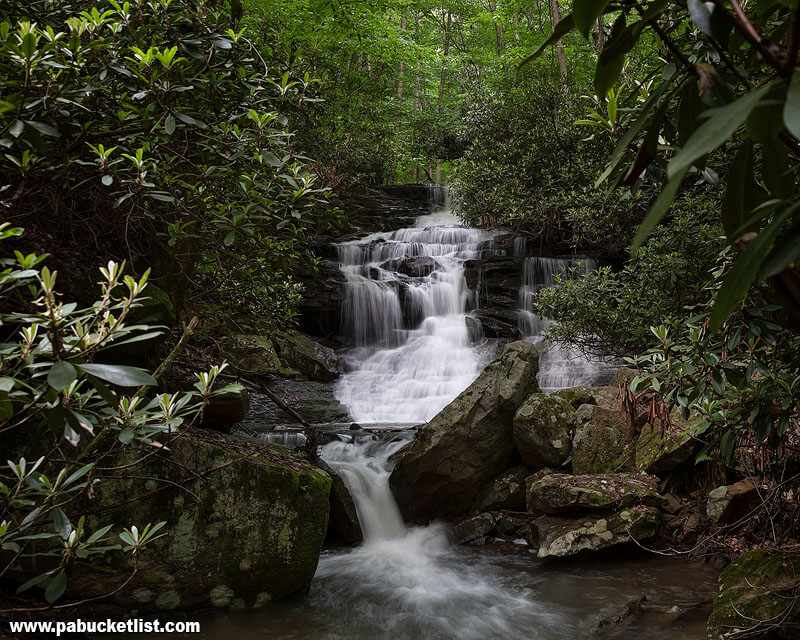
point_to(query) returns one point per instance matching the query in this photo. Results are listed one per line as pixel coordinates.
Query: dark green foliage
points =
(157, 127)
(611, 312)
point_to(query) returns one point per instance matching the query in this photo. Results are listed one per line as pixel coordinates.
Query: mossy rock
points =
(506, 491)
(624, 375)
(660, 450)
(559, 492)
(249, 529)
(255, 354)
(576, 396)
(311, 359)
(601, 440)
(567, 536)
(543, 430)
(468, 443)
(758, 587)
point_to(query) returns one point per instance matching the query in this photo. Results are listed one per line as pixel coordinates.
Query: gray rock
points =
(576, 396)
(474, 528)
(343, 523)
(660, 451)
(226, 409)
(506, 491)
(606, 397)
(313, 360)
(730, 503)
(468, 443)
(249, 530)
(623, 376)
(599, 445)
(559, 492)
(567, 536)
(543, 430)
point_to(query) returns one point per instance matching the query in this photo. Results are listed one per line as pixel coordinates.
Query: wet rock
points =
(660, 451)
(730, 503)
(566, 536)
(418, 266)
(576, 396)
(543, 430)
(759, 590)
(506, 491)
(474, 328)
(474, 528)
(468, 443)
(600, 440)
(226, 409)
(314, 401)
(313, 360)
(343, 524)
(251, 527)
(622, 617)
(561, 492)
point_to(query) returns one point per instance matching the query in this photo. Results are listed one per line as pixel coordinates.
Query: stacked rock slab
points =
(469, 443)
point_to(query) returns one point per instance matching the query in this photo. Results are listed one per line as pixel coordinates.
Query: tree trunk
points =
(562, 60)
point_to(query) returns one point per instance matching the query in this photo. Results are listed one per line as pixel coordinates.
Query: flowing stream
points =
(415, 347)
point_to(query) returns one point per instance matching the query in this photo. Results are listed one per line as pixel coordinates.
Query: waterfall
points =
(405, 312)
(404, 583)
(559, 367)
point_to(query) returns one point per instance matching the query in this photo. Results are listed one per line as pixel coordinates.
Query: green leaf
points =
(791, 108)
(120, 375)
(61, 375)
(775, 169)
(726, 445)
(107, 180)
(690, 109)
(169, 124)
(585, 12)
(658, 210)
(56, 588)
(564, 26)
(785, 252)
(720, 124)
(126, 436)
(741, 196)
(744, 271)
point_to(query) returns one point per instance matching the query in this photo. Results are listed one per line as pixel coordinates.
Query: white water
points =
(559, 367)
(412, 579)
(413, 353)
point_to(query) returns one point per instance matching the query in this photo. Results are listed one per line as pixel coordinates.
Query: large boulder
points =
(469, 442)
(733, 502)
(226, 409)
(659, 450)
(576, 396)
(560, 492)
(543, 430)
(566, 536)
(608, 397)
(475, 528)
(506, 491)
(245, 525)
(254, 354)
(599, 445)
(310, 358)
(758, 591)
(343, 523)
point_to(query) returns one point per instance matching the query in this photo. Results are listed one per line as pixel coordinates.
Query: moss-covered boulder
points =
(607, 397)
(311, 359)
(623, 376)
(226, 409)
(759, 591)
(561, 536)
(469, 442)
(576, 396)
(506, 491)
(245, 525)
(659, 450)
(543, 430)
(600, 442)
(254, 354)
(559, 492)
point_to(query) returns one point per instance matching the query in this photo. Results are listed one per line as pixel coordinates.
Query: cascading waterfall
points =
(405, 310)
(559, 367)
(412, 578)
